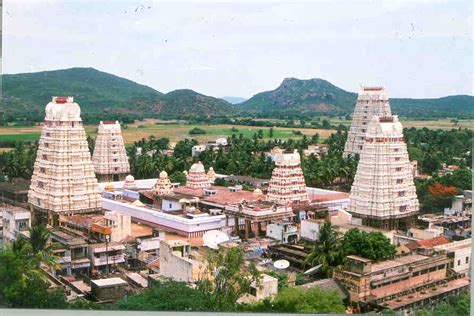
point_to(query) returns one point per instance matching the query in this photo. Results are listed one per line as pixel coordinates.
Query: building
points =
(15, 192)
(267, 287)
(129, 183)
(287, 184)
(110, 158)
(108, 290)
(177, 263)
(405, 283)
(460, 253)
(63, 178)
(197, 177)
(310, 228)
(163, 185)
(412, 246)
(286, 232)
(370, 101)
(255, 216)
(383, 193)
(197, 149)
(105, 257)
(16, 221)
(73, 254)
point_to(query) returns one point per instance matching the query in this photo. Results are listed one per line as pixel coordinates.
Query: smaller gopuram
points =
(110, 158)
(163, 185)
(287, 184)
(197, 177)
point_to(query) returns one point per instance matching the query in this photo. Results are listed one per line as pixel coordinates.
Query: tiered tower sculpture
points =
(110, 158)
(197, 177)
(287, 184)
(211, 175)
(63, 178)
(163, 185)
(370, 101)
(383, 193)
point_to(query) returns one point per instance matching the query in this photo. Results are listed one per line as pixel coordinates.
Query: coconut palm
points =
(326, 251)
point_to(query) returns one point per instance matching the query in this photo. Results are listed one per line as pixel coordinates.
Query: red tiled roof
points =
(328, 197)
(153, 264)
(428, 243)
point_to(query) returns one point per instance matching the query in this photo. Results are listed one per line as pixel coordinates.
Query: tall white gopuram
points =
(110, 158)
(197, 177)
(163, 185)
(383, 193)
(287, 184)
(63, 177)
(370, 101)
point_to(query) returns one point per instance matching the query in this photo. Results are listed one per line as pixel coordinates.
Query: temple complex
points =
(163, 185)
(383, 193)
(63, 178)
(197, 177)
(287, 184)
(370, 101)
(110, 158)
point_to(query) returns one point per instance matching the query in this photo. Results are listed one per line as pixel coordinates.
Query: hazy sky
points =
(415, 48)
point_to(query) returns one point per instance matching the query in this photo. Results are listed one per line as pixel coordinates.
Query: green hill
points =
(100, 95)
(322, 97)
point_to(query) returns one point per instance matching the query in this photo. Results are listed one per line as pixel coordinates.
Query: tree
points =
(166, 296)
(178, 176)
(300, 300)
(374, 245)
(326, 250)
(441, 195)
(270, 132)
(22, 282)
(229, 277)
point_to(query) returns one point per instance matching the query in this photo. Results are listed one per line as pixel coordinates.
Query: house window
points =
(397, 158)
(399, 181)
(45, 157)
(403, 208)
(459, 262)
(396, 149)
(401, 193)
(398, 169)
(467, 259)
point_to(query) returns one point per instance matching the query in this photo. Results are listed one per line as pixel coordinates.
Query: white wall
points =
(310, 230)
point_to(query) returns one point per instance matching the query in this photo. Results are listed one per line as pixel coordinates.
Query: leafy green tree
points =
(178, 176)
(230, 277)
(374, 245)
(300, 300)
(166, 296)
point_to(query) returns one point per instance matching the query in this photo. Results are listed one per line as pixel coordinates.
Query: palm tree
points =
(326, 251)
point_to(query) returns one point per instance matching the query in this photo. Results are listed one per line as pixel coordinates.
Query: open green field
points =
(174, 132)
(434, 124)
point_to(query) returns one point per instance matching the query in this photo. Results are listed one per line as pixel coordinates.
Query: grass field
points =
(174, 132)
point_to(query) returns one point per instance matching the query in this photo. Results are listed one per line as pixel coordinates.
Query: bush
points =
(197, 131)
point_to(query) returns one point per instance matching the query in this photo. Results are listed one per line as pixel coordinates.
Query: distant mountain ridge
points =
(100, 92)
(106, 96)
(318, 95)
(234, 100)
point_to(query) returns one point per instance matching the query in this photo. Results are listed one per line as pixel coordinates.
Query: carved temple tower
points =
(287, 184)
(110, 158)
(370, 101)
(63, 178)
(383, 193)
